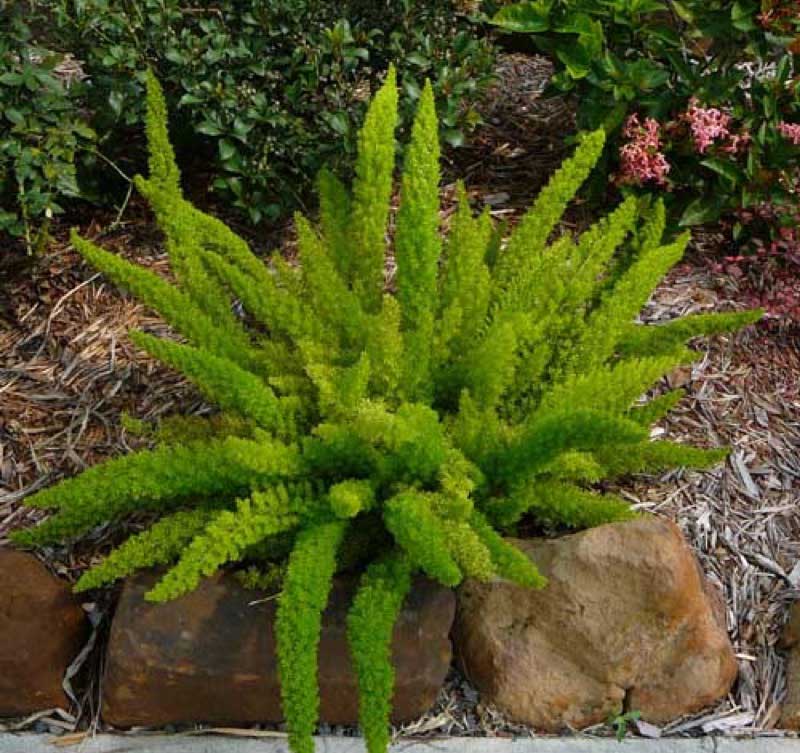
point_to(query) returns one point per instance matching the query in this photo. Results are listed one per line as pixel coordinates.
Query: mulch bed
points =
(68, 371)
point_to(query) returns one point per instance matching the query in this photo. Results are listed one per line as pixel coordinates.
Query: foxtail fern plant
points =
(393, 432)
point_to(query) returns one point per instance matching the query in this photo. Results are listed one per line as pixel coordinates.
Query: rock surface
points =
(625, 623)
(790, 718)
(210, 656)
(42, 630)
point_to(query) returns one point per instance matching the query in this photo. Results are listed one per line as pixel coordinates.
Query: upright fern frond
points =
(418, 246)
(613, 389)
(336, 306)
(334, 216)
(384, 345)
(606, 324)
(372, 190)
(465, 283)
(163, 166)
(176, 307)
(518, 264)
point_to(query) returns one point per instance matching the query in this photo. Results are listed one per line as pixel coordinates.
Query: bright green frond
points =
(336, 306)
(509, 562)
(653, 457)
(298, 625)
(158, 479)
(370, 624)
(465, 282)
(177, 308)
(575, 466)
(162, 164)
(372, 190)
(418, 246)
(419, 532)
(559, 504)
(340, 390)
(518, 263)
(468, 550)
(595, 250)
(334, 215)
(651, 234)
(458, 477)
(655, 409)
(490, 367)
(613, 389)
(160, 544)
(220, 380)
(640, 340)
(181, 430)
(547, 436)
(622, 303)
(412, 439)
(226, 538)
(476, 432)
(350, 498)
(277, 309)
(384, 346)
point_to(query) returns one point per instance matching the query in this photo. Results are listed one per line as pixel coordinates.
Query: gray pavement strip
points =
(29, 743)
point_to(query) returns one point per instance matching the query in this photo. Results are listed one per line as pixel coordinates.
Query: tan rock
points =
(625, 622)
(42, 630)
(210, 656)
(790, 718)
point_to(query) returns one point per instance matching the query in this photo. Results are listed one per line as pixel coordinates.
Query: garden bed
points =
(68, 371)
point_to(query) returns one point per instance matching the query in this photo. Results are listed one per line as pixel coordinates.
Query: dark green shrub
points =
(267, 92)
(41, 133)
(391, 433)
(707, 88)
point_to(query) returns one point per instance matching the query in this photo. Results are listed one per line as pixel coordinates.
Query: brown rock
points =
(625, 622)
(42, 629)
(790, 718)
(210, 656)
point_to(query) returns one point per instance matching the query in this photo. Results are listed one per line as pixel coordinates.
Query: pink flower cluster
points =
(737, 142)
(641, 159)
(790, 131)
(708, 124)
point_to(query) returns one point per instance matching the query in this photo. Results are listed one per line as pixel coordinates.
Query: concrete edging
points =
(29, 743)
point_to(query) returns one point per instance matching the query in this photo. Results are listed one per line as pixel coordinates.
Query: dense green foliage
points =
(41, 132)
(389, 433)
(662, 59)
(266, 92)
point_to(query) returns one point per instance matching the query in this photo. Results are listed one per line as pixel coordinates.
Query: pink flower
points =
(737, 142)
(790, 131)
(641, 159)
(708, 124)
